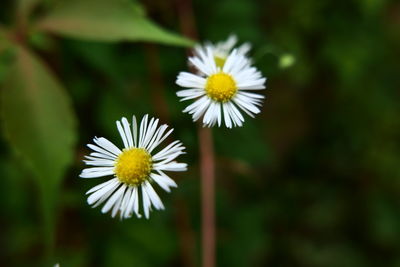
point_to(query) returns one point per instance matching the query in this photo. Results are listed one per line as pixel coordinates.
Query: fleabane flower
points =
(221, 92)
(221, 50)
(134, 168)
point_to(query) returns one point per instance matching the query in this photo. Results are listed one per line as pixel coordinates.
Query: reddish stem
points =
(187, 22)
(158, 98)
(207, 196)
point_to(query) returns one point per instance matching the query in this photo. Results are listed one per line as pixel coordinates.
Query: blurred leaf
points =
(25, 8)
(108, 21)
(4, 42)
(5, 52)
(40, 125)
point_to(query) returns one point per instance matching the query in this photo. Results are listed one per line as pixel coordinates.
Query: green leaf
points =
(39, 124)
(108, 21)
(4, 40)
(25, 8)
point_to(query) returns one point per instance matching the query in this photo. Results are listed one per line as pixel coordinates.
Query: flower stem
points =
(207, 196)
(188, 28)
(159, 102)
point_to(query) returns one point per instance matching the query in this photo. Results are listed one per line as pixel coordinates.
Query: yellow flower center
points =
(133, 166)
(219, 61)
(221, 87)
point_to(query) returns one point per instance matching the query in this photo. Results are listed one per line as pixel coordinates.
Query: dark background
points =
(314, 180)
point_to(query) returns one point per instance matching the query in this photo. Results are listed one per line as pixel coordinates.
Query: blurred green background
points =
(314, 180)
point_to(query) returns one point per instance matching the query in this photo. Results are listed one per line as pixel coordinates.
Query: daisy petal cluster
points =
(221, 50)
(221, 92)
(134, 169)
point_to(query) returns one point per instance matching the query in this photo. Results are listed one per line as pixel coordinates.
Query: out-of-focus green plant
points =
(38, 118)
(103, 20)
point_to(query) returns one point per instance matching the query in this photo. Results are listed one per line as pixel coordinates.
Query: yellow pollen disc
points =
(219, 61)
(221, 87)
(133, 166)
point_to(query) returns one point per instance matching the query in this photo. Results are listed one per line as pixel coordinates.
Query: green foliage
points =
(39, 123)
(107, 21)
(38, 117)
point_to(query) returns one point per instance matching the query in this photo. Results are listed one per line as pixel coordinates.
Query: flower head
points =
(221, 50)
(134, 168)
(221, 91)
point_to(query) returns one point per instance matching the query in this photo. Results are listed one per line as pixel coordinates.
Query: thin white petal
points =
(125, 202)
(104, 143)
(99, 186)
(227, 117)
(102, 192)
(136, 202)
(172, 166)
(128, 209)
(154, 198)
(102, 156)
(134, 130)
(163, 181)
(117, 204)
(146, 203)
(186, 79)
(128, 132)
(122, 134)
(113, 199)
(102, 151)
(96, 172)
(142, 130)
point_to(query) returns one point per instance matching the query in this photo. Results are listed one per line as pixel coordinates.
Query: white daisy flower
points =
(221, 90)
(134, 168)
(221, 50)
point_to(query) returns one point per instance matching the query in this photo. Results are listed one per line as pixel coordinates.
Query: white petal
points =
(146, 203)
(102, 152)
(122, 134)
(113, 199)
(251, 95)
(150, 133)
(128, 132)
(136, 202)
(104, 143)
(100, 162)
(172, 166)
(233, 114)
(190, 94)
(154, 198)
(157, 137)
(163, 181)
(125, 202)
(117, 204)
(128, 209)
(186, 79)
(168, 150)
(201, 109)
(142, 130)
(96, 172)
(227, 117)
(246, 106)
(134, 130)
(99, 186)
(200, 65)
(103, 156)
(195, 105)
(211, 114)
(104, 191)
